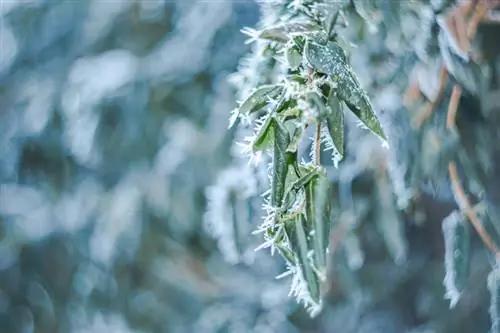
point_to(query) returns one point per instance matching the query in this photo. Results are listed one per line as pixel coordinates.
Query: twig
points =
(480, 13)
(443, 75)
(458, 190)
(453, 106)
(464, 205)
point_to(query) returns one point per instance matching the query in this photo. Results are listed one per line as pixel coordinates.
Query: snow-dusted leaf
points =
(388, 222)
(494, 289)
(317, 104)
(281, 162)
(275, 34)
(331, 59)
(328, 58)
(259, 98)
(456, 257)
(300, 245)
(335, 123)
(265, 136)
(318, 206)
(369, 10)
(293, 57)
(295, 140)
(330, 21)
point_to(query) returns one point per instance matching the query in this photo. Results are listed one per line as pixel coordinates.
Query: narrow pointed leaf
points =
(494, 289)
(327, 58)
(281, 162)
(331, 59)
(300, 246)
(291, 191)
(335, 123)
(265, 137)
(318, 206)
(259, 98)
(388, 222)
(317, 103)
(457, 242)
(293, 57)
(295, 140)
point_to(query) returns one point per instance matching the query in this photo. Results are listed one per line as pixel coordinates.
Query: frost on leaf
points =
(265, 134)
(494, 289)
(456, 257)
(335, 123)
(297, 235)
(319, 201)
(293, 57)
(259, 98)
(329, 58)
(281, 161)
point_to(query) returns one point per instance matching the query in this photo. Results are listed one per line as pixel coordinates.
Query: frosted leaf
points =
(456, 256)
(265, 134)
(335, 124)
(494, 289)
(296, 232)
(280, 164)
(389, 224)
(293, 57)
(259, 98)
(331, 59)
(318, 207)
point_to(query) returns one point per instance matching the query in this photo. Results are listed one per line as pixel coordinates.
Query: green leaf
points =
(293, 57)
(295, 141)
(298, 239)
(328, 58)
(494, 289)
(281, 162)
(318, 207)
(330, 21)
(259, 98)
(265, 136)
(316, 102)
(331, 59)
(294, 186)
(388, 222)
(335, 123)
(456, 256)
(363, 110)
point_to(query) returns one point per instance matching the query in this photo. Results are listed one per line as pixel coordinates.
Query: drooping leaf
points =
(293, 57)
(327, 58)
(331, 59)
(295, 186)
(265, 136)
(369, 10)
(300, 245)
(318, 206)
(456, 256)
(494, 289)
(295, 140)
(330, 21)
(259, 98)
(335, 122)
(389, 224)
(281, 162)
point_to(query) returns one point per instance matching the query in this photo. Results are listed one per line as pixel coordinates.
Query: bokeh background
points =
(113, 127)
